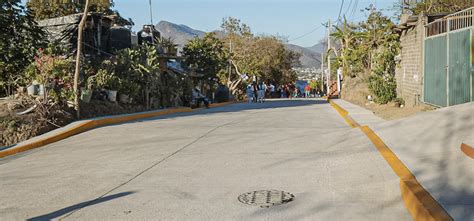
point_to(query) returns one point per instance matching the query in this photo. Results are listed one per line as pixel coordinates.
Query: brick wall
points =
(409, 73)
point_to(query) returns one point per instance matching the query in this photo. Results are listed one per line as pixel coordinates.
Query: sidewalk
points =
(359, 114)
(429, 145)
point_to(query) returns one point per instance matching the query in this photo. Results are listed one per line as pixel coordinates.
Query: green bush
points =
(384, 87)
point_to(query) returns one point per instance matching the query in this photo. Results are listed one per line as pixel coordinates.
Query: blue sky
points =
(290, 18)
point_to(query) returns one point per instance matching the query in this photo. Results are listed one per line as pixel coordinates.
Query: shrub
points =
(383, 86)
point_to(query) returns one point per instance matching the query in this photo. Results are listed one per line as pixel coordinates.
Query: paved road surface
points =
(193, 166)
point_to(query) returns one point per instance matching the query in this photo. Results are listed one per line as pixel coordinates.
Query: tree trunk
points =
(82, 24)
(234, 84)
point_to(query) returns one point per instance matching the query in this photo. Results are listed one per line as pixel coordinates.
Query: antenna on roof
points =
(151, 24)
(151, 12)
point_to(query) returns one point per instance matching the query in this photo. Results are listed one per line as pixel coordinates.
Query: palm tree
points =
(346, 35)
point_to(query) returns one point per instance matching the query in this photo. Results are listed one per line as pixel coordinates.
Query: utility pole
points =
(322, 72)
(328, 77)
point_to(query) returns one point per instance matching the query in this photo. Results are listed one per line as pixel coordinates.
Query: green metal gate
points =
(459, 67)
(435, 71)
(448, 60)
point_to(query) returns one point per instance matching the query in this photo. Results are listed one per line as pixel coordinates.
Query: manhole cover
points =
(266, 198)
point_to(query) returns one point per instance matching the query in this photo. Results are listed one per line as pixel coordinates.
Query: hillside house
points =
(426, 72)
(102, 36)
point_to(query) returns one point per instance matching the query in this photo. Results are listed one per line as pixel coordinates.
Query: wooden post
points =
(82, 24)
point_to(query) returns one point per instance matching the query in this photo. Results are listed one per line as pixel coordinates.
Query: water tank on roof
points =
(147, 34)
(120, 38)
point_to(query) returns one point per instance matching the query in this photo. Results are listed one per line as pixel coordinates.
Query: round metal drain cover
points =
(266, 198)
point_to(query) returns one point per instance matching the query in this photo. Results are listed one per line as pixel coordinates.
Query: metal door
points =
(435, 76)
(459, 67)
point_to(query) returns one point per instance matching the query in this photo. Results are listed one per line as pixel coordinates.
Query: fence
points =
(456, 21)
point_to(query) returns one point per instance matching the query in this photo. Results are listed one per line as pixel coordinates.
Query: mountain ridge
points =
(181, 34)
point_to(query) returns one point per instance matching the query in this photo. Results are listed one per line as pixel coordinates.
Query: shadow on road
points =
(75, 207)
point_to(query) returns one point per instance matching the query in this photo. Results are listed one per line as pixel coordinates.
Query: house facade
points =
(409, 72)
(436, 63)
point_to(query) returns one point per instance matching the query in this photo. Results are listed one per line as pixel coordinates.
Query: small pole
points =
(328, 78)
(152, 26)
(151, 12)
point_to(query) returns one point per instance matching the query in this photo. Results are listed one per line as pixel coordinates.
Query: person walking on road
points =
(295, 92)
(198, 98)
(307, 91)
(249, 92)
(255, 91)
(262, 87)
(271, 88)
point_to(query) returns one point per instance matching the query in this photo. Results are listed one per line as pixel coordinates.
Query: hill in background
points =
(181, 34)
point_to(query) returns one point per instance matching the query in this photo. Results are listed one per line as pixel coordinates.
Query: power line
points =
(304, 35)
(348, 7)
(354, 10)
(340, 11)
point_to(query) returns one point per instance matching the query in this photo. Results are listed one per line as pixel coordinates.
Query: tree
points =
(346, 35)
(82, 24)
(385, 46)
(439, 6)
(206, 56)
(20, 38)
(233, 26)
(368, 52)
(263, 57)
(44, 9)
(146, 63)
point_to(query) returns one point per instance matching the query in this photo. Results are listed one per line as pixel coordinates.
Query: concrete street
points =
(194, 166)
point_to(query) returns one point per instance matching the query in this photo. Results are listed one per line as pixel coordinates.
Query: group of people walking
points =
(256, 92)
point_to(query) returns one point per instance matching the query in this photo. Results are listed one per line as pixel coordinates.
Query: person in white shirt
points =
(271, 88)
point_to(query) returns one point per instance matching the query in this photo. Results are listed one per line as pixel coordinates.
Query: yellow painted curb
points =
(421, 205)
(396, 164)
(47, 140)
(419, 202)
(469, 151)
(95, 123)
(221, 104)
(344, 114)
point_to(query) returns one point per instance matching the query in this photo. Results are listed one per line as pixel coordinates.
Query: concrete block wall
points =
(409, 72)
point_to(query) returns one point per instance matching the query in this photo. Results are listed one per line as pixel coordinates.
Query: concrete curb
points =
(419, 202)
(95, 123)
